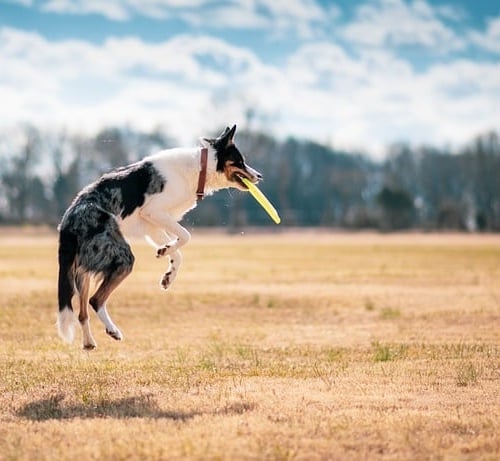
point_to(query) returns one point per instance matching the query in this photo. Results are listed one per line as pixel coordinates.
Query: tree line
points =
(310, 184)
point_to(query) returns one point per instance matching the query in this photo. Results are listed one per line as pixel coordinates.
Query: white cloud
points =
(489, 40)
(21, 2)
(278, 16)
(451, 12)
(193, 84)
(395, 22)
(378, 98)
(232, 16)
(121, 81)
(120, 10)
(112, 10)
(463, 97)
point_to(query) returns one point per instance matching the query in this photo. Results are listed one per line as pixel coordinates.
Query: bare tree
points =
(17, 178)
(482, 163)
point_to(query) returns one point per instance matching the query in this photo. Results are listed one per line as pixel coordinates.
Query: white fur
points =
(111, 328)
(66, 325)
(157, 220)
(161, 212)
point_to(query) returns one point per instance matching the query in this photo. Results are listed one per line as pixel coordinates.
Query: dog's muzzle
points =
(252, 175)
(249, 173)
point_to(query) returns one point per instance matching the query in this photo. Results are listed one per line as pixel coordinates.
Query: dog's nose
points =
(254, 175)
(257, 178)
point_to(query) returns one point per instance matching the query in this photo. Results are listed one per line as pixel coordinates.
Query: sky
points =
(356, 75)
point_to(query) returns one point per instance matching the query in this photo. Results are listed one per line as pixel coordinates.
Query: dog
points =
(147, 198)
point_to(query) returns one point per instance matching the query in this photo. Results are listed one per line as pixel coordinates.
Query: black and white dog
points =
(146, 198)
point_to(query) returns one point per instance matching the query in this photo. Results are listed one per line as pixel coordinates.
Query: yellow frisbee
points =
(262, 199)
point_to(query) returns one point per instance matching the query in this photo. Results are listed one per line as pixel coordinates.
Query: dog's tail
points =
(66, 285)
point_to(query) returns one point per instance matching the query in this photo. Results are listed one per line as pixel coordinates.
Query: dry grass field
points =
(304, 346)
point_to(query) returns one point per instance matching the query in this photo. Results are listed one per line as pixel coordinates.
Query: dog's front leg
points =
(175, 259)
(181, 236)
(169, 276)
(171, 227)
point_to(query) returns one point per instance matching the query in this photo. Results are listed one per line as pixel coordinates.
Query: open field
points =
(287, 346)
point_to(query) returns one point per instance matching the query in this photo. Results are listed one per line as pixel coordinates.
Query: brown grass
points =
(289, 346)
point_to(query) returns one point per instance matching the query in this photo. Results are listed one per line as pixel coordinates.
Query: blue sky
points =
(352, 74)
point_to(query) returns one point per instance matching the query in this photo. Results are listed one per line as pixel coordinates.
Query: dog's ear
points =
(231, 133)
(207, 142)
(222, 141)
(226, 137)
(224, 133)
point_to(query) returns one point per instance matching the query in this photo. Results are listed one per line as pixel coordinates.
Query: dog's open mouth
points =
(237, 178)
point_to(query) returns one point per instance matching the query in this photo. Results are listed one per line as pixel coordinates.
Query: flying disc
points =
(262, 199)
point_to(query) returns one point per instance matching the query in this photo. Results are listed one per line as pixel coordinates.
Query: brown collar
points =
(200, 192)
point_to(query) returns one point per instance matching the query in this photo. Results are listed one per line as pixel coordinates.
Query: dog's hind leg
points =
(108, 256)
(98, 300)
(83, 285)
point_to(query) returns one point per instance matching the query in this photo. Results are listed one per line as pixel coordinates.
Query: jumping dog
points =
(147, 198)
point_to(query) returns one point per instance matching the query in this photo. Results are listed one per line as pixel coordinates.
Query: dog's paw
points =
(167, 249)
(115, 334)
(166, 280)
(162, 251)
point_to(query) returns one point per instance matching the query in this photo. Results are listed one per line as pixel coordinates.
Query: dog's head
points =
(230, 161)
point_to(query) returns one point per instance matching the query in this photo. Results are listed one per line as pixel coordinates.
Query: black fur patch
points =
(123, 190)
(225, 150)
(67, 253)
(91, 216)
(118, 192)
(228, 152)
